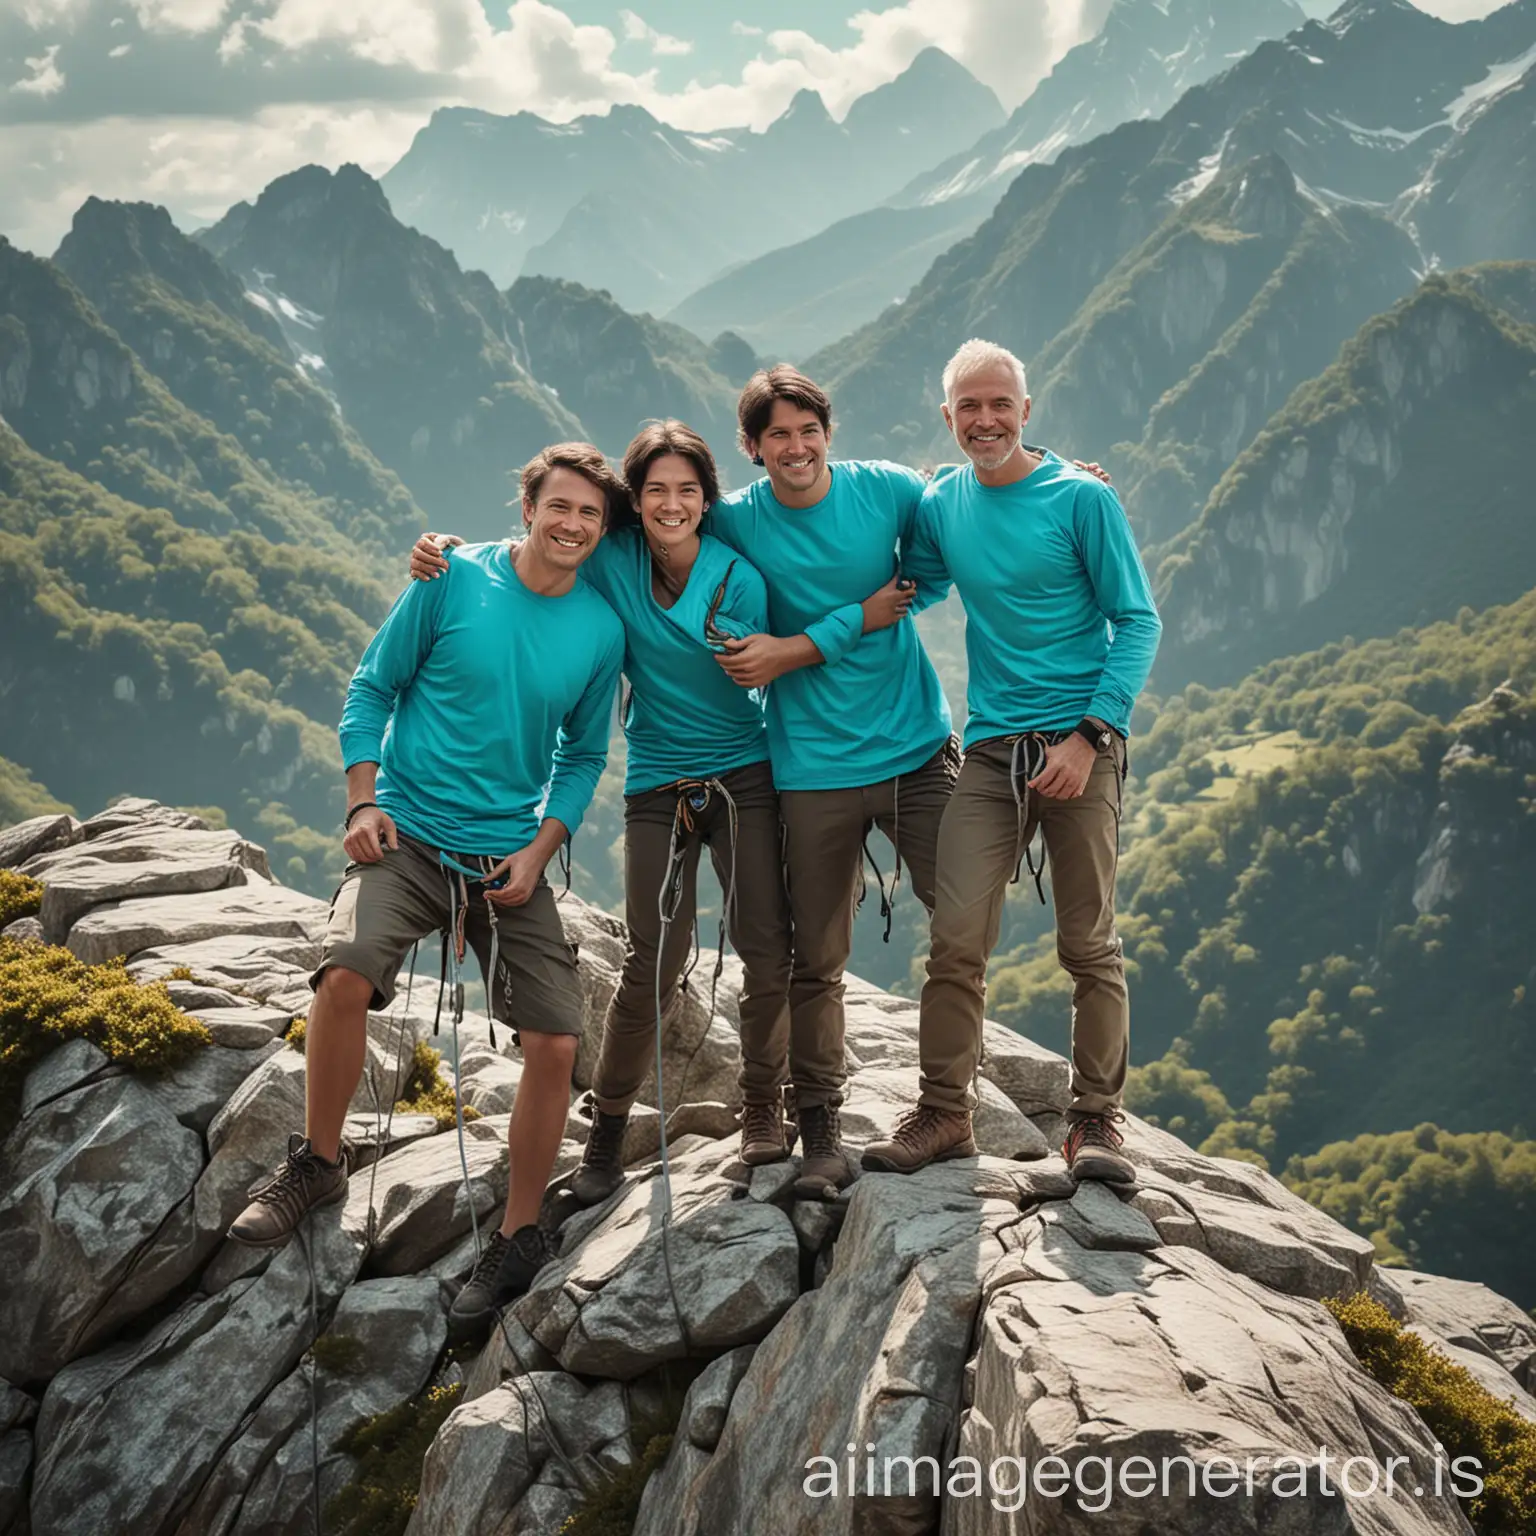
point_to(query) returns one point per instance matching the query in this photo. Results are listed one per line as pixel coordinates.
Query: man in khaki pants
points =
(1061, 630)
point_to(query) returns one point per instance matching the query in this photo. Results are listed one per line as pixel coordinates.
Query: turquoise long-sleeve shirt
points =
(685, 719)
(475, 695)
(874, 708)
(1060, 620)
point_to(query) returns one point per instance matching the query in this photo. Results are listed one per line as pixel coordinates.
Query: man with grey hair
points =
(1061, 630)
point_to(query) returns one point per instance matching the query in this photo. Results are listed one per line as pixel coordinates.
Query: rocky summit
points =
(162, 1381)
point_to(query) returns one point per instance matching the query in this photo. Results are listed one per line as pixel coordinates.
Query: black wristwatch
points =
(1097, 736)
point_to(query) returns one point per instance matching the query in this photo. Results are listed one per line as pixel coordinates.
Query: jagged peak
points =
(1355, 12)
(349, 186)
(807, 106)
(114, 239)
(930, 65)
(106, 213)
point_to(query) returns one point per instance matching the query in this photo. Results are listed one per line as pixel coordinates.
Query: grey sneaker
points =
(602, 1162)
(762, 1133)
(825, 1166)
(923, 1135)
(303, 1182)
(469, 1318)
(1092, 1149)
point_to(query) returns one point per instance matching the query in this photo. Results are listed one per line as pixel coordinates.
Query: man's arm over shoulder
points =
(392, 660)
(581, 750)
(922, 550)
(1124, 595)
(898, 488)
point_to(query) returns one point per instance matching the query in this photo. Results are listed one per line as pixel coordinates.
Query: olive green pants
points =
(980, 843)
(740, 827)
(824, 832)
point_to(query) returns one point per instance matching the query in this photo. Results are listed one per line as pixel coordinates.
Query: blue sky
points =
(196, 104)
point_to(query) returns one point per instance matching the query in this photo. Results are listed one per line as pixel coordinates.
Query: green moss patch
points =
(426, 1092)
(1460, 1412)
(610, 1510)
(340, 1354)
(47, 996)
(20, 896)
(389, 1449)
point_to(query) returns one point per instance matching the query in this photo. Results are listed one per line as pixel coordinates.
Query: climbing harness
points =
(714, 636)
(693, 797)
(1027, 763)
(951, 755)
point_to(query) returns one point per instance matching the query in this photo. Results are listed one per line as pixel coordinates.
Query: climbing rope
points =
(454, 974)
(383, 1126)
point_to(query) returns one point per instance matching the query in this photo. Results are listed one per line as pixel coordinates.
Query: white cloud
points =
(179, 15)
(43, 14)
(543, 61)
(197, 167)
(534, 58)
(46, 78)
(637, 30)
(742, 29)
(1459, 10)
(235, 41)
(121, 51)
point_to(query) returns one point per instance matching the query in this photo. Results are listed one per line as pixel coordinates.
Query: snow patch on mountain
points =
(1203, 177)
(1498, 79)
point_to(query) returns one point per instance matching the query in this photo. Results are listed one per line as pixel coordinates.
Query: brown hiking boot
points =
(923, 1135)
(825, 1167)
(302, 1183)
(762, 1133)
(602, 1162)
(1092, 1149)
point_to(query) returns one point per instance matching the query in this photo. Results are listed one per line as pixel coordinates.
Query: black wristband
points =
(1097, 736)
(362, 805)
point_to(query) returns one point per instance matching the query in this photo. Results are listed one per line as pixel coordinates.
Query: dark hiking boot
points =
(470, 1316)
(303, 1182)
(825, 1166)
(762, 1133)
(1092, 1149)
(923, 1135)
(529, 1249)
(506, 1269)
(602, 1162)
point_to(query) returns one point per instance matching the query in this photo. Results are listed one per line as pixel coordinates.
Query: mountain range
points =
(449, 381)
(1293, 310)
(1147, 54)
(1382, 495)
(1359, 107)
(626, 203)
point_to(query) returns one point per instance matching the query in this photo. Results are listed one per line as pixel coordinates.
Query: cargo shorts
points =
(381, 910)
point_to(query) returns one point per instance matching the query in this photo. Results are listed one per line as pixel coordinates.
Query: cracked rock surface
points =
(156, 1378)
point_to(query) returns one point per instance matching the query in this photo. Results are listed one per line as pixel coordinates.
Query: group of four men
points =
(779, 705)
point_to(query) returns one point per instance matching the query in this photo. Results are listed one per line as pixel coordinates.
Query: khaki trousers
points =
(757, 922)
(824, 832)
(980, 843)
(380, 910)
